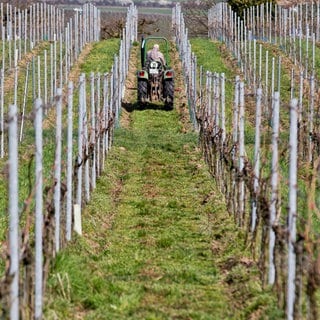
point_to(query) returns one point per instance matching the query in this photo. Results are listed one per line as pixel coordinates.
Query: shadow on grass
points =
(136, 106)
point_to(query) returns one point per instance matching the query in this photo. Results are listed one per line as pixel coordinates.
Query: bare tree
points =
(196, 16)
(21, 4)
(195, 12)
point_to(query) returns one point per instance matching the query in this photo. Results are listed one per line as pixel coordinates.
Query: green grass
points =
(148, 234)
(101, 56)
(209, 57)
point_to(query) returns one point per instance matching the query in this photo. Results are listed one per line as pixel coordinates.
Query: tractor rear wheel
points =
(142, 90)
(168, 93)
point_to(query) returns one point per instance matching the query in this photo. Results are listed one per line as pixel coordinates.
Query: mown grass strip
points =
(149, 230)
(210, 56)
(101, 56)
(157, 243)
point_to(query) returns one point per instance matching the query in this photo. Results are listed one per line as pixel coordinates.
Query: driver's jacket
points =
(155, 55)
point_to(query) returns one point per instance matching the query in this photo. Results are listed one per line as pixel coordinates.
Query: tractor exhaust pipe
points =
(143, 52)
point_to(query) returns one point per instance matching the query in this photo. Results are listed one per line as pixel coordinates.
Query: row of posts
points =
(95, 118)
(47, 71)
(261, 69)
(223, 141)
(188, 59)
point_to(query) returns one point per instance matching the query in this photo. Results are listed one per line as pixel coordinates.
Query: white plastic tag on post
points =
(77, 219)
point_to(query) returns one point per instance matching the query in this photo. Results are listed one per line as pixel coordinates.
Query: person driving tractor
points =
(156, 55)
(155, 78)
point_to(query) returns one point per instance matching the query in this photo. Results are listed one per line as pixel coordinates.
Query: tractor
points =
(155, 78)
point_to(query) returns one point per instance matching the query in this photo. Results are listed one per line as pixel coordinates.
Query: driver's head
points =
(156, 47)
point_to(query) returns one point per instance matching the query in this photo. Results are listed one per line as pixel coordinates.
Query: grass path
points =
(159, 258)
(155, 261)
(158, 242)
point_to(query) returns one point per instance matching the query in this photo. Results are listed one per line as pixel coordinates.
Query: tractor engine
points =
(155, 80)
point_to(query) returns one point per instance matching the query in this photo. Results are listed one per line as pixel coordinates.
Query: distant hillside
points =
(152, 3)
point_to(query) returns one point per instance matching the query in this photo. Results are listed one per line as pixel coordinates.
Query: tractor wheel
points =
(142, 91)
(168, 93)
